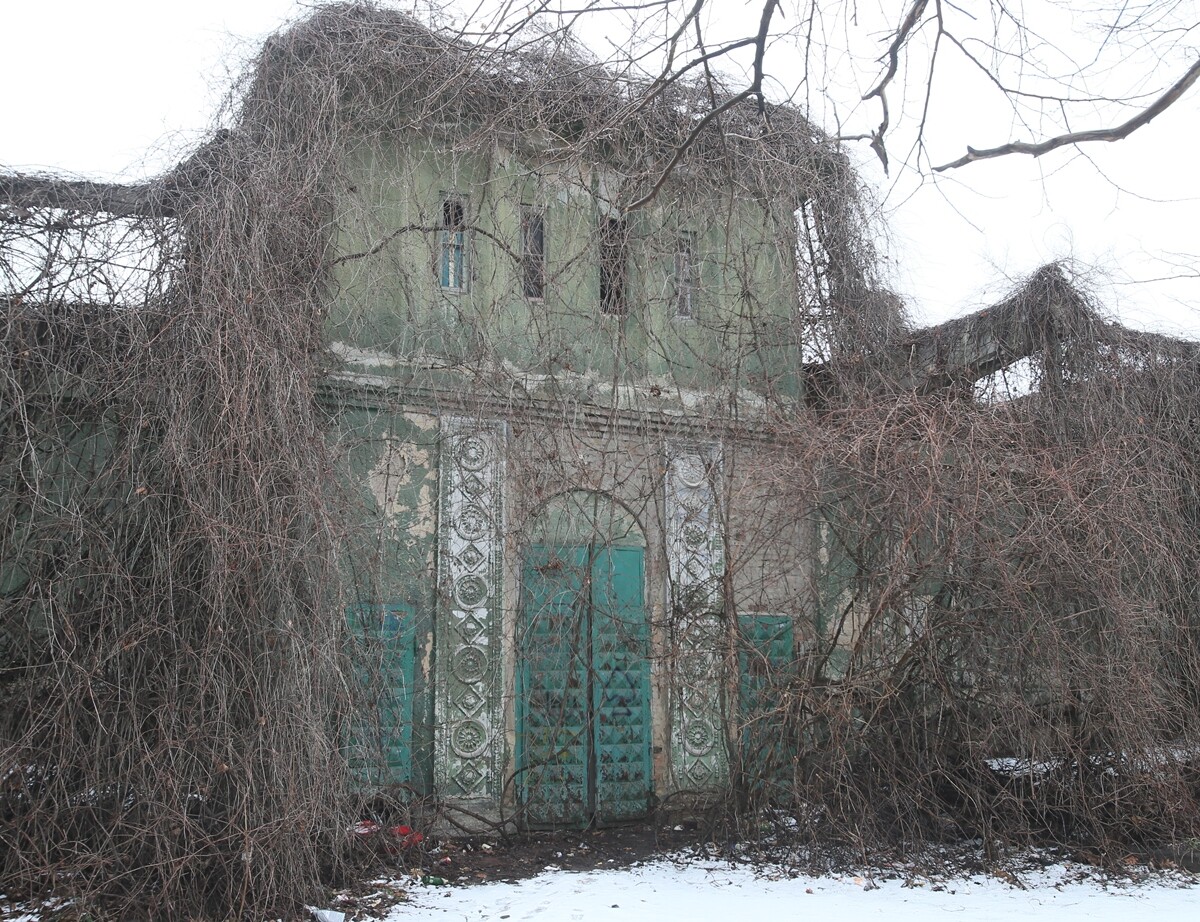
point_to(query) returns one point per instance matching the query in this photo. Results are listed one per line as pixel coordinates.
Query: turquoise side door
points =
(583, 695)
(383, 653)
(767, 664)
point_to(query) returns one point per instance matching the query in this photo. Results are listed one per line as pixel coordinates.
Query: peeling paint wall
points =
(588, 401)
(389, 459)
(390, 309)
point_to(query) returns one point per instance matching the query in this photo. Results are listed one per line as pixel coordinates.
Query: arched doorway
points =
(583, 676)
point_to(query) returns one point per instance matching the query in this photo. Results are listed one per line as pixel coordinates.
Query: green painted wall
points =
(389, 471)
(390, 309)
(410, 342)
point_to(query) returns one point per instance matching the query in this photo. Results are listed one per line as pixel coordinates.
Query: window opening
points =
(452, 268)
(533, 252)
(686, 276)
(612, 266)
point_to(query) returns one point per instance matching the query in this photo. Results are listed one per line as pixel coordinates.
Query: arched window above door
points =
(584, 518)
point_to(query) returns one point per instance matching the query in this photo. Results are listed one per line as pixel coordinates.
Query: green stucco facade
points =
(391, 312)
(477, 432)
(479, 425)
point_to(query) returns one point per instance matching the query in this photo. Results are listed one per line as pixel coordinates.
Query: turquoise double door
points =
(583, 687)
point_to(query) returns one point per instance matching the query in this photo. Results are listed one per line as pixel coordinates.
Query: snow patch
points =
(685, 890)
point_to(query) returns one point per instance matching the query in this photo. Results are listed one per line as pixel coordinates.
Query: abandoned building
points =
(560, 330)
(551, 408)
(556, 407)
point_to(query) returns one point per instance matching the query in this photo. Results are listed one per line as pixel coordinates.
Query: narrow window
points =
(612, 266)
(686, 276)
(452, 261)
(533, 252)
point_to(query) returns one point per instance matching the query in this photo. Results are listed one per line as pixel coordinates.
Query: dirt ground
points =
(527, 855)
(516, 857)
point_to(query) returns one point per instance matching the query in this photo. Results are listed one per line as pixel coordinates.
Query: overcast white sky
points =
(124, 87)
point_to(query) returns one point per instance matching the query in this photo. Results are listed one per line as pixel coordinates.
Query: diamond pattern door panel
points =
(583, 714)
(382, 648)
(767, 663)
(552, 720)
(621, 686)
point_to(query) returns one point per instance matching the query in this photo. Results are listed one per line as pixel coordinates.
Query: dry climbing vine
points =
(997, 638)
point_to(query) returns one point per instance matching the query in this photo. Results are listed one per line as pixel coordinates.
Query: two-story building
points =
(560, 409)
(560, 317)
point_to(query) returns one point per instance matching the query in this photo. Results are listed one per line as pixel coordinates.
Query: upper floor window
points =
(612, 266)
(452, 256)
(533, 252)
(687, 276)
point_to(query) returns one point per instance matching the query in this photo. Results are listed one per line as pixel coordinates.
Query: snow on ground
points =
(693, 890)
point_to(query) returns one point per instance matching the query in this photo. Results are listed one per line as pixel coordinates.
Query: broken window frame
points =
(687, 276)
(453, 266)
(614, 296)
(533, 252)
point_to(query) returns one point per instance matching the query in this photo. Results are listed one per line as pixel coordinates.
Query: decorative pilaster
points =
(696, 564)
(469, 732)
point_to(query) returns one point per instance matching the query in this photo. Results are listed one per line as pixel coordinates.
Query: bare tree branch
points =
(755, 89)
(912, 21)
(1120, 132)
